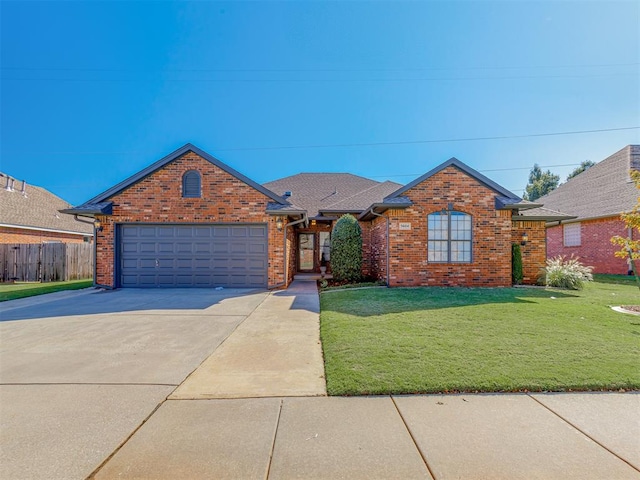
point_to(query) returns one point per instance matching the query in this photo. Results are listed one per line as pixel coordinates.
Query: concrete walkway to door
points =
(275, 352)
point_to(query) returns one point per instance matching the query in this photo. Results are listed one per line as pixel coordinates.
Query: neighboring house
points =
(191, 220)
(595, 198)
(30, 214)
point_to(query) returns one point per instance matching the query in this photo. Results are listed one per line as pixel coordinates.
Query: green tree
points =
(540, 183)
(516, 264)
(586, 165)
(346, 249)
(630, 248)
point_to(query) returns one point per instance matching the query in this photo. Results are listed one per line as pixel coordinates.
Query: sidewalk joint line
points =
(273, 443)
(584, 433)
(415, 443)
(92, 475)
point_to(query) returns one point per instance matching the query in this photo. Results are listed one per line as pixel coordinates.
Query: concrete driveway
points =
(80, 372)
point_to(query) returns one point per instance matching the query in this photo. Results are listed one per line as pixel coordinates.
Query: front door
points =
(306, 249)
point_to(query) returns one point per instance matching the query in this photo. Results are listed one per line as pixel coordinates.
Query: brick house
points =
(595, 198)
(30, 214)
(191, 220)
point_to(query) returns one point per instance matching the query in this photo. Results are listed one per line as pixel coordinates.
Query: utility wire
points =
(364, 144)
(312, 70)
(417, 142)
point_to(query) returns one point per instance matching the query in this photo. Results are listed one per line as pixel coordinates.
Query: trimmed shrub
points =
(561, 273)
(516, 264)
(346, 249)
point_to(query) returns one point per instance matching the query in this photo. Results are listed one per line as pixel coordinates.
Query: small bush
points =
(516, 264)
(346, 249)
(561, 273)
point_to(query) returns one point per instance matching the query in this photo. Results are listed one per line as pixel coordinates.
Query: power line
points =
(417, 142)
(313, 70)
(482, 171)
(313, 80)
(345, 145)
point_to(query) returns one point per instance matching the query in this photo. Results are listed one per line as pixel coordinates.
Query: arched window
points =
(191, 184)
(449, 237)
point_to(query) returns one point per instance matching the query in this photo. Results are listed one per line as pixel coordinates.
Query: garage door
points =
(193, 255)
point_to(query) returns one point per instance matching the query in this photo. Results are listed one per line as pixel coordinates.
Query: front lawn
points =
(419, 340)
(11, 291)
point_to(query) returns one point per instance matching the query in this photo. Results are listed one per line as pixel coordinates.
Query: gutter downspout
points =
(284, 246)
(379, 215)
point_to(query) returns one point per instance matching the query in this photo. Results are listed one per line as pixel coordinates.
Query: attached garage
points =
(192, 255)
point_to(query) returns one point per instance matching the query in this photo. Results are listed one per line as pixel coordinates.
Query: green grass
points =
(11, 291)
(420, 340)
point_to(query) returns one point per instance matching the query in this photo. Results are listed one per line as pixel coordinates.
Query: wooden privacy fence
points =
(46, 262)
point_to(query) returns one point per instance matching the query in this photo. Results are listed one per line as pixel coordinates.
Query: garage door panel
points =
(193, 255)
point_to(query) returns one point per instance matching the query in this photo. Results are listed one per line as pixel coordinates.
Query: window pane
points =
(445, 248)
(437, 250)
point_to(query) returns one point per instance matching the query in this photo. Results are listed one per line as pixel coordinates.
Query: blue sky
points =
(92, 92)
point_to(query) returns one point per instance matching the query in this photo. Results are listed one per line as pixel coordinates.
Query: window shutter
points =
(191, 184)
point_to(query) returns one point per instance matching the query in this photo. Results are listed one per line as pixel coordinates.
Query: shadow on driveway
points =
(120, 301)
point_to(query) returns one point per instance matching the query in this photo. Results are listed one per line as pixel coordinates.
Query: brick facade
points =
(157, 198)
(491, 250)
(534, 252)
(595, 247)
(20, 235)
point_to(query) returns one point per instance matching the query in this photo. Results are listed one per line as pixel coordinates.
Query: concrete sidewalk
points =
(546, 436)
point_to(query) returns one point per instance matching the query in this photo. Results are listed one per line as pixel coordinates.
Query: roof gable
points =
(171, 157)
(454, 162)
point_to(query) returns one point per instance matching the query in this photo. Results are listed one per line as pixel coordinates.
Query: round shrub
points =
(346, 249)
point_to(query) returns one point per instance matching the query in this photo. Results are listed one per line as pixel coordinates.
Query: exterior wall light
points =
(279, 223)
(98, 225)
(525, 239)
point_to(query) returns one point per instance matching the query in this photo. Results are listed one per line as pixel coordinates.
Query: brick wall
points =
(534, 252)
(19, 235)
(596, 248)
(379, 248)
(366, 248)
(158, 199)
(491, 254)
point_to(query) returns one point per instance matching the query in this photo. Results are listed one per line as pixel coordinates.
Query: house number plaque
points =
(404, 226)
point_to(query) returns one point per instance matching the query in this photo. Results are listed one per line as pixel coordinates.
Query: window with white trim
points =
(191, 184)
(572, 235)
(449, 237)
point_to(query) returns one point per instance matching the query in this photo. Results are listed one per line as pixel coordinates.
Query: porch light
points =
(98, 225)
(279, 223)
(525, 239)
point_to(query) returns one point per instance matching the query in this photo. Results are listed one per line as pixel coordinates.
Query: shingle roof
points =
(331, 192)
(603, 190)
(541, 213)
(36, 208)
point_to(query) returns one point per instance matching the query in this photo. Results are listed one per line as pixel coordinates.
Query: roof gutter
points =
(575, 219)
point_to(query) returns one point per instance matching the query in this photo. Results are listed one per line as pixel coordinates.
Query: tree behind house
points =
(540, 183)
(586, 165)
(630, 248)
(346, 249)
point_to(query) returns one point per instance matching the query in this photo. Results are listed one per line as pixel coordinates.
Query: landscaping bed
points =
(425, 340)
